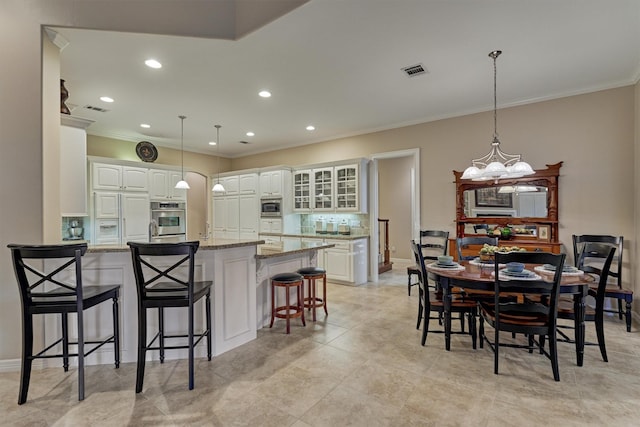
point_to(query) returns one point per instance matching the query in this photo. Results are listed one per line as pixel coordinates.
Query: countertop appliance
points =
(168, 221)
(344, 228)
(271, 207)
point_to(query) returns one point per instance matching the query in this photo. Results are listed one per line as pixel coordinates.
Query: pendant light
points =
(182, 184)
(218, 188)
(496, 164)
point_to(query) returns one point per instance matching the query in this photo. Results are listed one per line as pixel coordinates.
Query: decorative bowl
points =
(445, 259)
(515, 267)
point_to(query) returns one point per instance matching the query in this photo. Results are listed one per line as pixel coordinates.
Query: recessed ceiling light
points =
(264, 93)
(212, 143)
(106, 99)
(144, 125)
(152, 63)
(251, 134)
(311, 127)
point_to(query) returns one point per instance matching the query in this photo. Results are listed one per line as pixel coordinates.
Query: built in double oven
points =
(169, 218)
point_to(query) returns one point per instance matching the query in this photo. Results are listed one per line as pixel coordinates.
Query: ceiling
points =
(337, 65)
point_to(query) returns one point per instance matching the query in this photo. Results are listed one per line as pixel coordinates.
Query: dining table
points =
(480, 275)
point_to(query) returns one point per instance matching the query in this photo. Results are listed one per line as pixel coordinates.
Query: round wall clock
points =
(146, 151)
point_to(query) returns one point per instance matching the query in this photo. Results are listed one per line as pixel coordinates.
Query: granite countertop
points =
(289, 248)
(211, 244)
(320, 236)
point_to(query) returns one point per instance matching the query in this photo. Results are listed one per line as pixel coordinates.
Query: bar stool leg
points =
(300, 292)
(324, 294)
(288, 304)
(273, 303)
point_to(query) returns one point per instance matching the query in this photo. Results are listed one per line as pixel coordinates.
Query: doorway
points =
(411, 159)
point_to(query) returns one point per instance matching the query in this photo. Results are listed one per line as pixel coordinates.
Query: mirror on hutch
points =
(522, 211)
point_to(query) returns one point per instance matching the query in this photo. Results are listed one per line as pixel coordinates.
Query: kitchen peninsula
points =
(240, 270)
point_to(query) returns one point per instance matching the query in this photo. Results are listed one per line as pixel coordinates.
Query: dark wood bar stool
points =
(59, 291)
(312, 301)
(288, 281)
(157, 268)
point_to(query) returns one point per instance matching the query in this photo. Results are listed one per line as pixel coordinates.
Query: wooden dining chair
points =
(165, 277)
(475, 242)
(433, 244)
(50, 282)
(613, 290)
(431, 301)
(596, 315)
(536, 316)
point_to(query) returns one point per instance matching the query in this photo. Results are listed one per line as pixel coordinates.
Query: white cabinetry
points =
(323, 189)
(271, 183)
(236, 211)
(248, 183)
(116, 177)
(347, 261)
(73, 166)
(162, 185)
(248, 216)
(230, 184)
(226, 219)
(331, 188)
(120, 217)
(135, 217)
(302, 191)
(270, 225)
(349, 196)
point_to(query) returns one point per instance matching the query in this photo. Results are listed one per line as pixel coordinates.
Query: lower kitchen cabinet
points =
(270, 225)
(346, 262)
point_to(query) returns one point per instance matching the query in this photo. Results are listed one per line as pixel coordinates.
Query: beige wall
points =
(394, 203)
(635, 247)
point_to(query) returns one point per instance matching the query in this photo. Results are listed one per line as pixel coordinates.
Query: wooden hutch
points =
(529, 204)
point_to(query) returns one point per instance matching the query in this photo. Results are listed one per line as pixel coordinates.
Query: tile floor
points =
(362, 366)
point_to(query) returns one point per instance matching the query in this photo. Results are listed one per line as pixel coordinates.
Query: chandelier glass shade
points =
(218, 188)
(182, 184)
(497, 164)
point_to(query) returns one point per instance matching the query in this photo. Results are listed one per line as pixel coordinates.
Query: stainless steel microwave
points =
(271, 207)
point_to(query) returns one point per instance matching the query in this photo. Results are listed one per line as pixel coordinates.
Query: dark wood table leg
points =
(446, 299)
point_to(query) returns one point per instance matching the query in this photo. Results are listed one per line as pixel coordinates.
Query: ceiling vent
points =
(91, 107)
(414, 70)
(244, 142)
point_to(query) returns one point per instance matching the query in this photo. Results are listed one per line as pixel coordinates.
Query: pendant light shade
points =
(182, 184)
(497, 164)
(218, 188)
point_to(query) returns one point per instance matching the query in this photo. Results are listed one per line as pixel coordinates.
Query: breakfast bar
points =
(239, 270)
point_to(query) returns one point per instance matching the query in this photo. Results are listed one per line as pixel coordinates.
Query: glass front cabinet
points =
(302, 191)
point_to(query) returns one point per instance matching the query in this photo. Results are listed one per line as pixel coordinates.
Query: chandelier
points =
(496, 164)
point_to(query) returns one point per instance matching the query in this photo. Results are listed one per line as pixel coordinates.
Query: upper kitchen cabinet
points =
(119, 178)
(231, 184)
(331, 187)
(302, 191)
(73, 169)
(323, 189)
(351, 188)
(274, 182)
(248, 183)
(162, 185)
